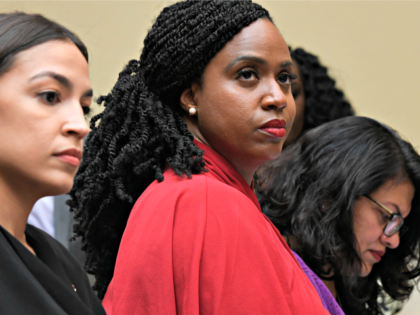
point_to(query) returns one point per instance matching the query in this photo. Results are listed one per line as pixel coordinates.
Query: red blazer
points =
(203, 246)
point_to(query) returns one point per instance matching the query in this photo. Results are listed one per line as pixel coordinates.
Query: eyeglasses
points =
(395, 222)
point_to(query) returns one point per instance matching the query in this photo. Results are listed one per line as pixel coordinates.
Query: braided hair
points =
(141, 131)
(323, 101)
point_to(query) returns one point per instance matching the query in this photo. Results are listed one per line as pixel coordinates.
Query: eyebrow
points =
(396, 207)
(88, 93)
(256, 60)
(387, 208)
(60, 79)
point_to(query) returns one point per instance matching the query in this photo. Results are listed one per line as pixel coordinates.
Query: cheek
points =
(28, 131)
(24, 143)
(226, 111)
(300, 109)
(367, 231)
(293, 112)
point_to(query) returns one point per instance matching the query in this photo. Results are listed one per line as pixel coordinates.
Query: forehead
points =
(298, 80)
(260, 38)
(59, 56)
(394, 193)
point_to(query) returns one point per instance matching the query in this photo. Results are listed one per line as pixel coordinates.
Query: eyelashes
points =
(49, 97)
(285, 78)
(86, 110)
(251, 74)
(248, 73)
(54, 98)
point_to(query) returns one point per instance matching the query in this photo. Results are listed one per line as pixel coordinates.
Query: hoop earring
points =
(192, 111)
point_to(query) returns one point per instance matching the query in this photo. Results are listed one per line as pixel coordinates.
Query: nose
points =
(75, 123)
(391, 241)
(275, 97)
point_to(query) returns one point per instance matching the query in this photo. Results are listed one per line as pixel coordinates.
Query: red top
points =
(203, 246)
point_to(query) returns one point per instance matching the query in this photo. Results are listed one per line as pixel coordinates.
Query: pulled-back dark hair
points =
(141, 131)
(310, 191)
(20, 31)
(323, 101)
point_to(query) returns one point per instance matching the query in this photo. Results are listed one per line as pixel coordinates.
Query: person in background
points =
(52, 215)
(45, 92)
(346, 196)
(316, 96)
(167, 178)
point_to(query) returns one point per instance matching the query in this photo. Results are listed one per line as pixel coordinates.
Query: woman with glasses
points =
(346, 198)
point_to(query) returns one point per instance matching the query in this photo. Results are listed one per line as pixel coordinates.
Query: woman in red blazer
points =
(174, 153)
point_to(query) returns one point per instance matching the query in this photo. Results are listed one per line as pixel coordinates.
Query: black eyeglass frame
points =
(392, 216)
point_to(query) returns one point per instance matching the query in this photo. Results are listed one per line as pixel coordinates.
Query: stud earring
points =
(192, 111)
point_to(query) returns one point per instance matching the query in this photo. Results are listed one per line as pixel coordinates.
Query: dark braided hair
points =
(323, 101)
(141, 131)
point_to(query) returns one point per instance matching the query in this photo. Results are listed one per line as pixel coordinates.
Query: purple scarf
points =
(327, 299)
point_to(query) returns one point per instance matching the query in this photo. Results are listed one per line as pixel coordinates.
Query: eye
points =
(86, 110)
(285, 78)
(248, 74)
(384, 217)
(50, 97)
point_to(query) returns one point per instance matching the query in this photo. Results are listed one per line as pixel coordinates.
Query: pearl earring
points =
(192, 111)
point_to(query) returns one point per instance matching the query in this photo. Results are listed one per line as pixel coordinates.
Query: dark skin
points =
(246, 84)
(299, 96)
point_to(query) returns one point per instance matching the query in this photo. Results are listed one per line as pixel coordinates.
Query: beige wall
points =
(372, 49)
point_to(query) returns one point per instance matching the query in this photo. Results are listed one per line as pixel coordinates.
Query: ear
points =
(187, 98)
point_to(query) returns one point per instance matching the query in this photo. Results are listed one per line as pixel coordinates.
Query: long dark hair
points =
(20, 31)
(310, 191)
(324, 102)
(141, 131)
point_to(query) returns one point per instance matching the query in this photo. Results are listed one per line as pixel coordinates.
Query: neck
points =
(330, 284)
(247, 173)
(15, 207)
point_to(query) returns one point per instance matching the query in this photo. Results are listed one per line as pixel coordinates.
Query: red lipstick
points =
(70, 156)
(275, 127)
(377, 254)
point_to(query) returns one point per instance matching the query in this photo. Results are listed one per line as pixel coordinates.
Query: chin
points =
(59, 184)
(366, 269)
(274, 153)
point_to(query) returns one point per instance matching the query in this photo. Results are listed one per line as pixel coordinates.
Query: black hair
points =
(141, 131)
(323, 101)
(309, 194)
(20, 31)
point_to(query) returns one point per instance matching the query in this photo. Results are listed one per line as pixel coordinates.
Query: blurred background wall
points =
(371, 48)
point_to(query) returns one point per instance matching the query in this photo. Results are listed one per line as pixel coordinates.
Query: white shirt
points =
(42, 215)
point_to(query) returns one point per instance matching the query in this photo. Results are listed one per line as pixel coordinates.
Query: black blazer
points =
(50, 283)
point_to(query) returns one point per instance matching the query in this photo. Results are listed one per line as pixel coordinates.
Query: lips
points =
(70, 156)
(377, 254)
(275, 128)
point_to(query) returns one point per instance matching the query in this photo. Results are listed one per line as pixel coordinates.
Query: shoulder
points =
(199, 190)
(54, 247)
(65, 266)
(188, 202)
(45, 238)
(197, 183)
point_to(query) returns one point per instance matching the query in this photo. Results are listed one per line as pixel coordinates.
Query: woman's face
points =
(43, 97)
(245, 108)
(299, 96)
(370, 221)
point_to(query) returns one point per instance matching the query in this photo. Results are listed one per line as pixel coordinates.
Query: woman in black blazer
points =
(45, 92)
